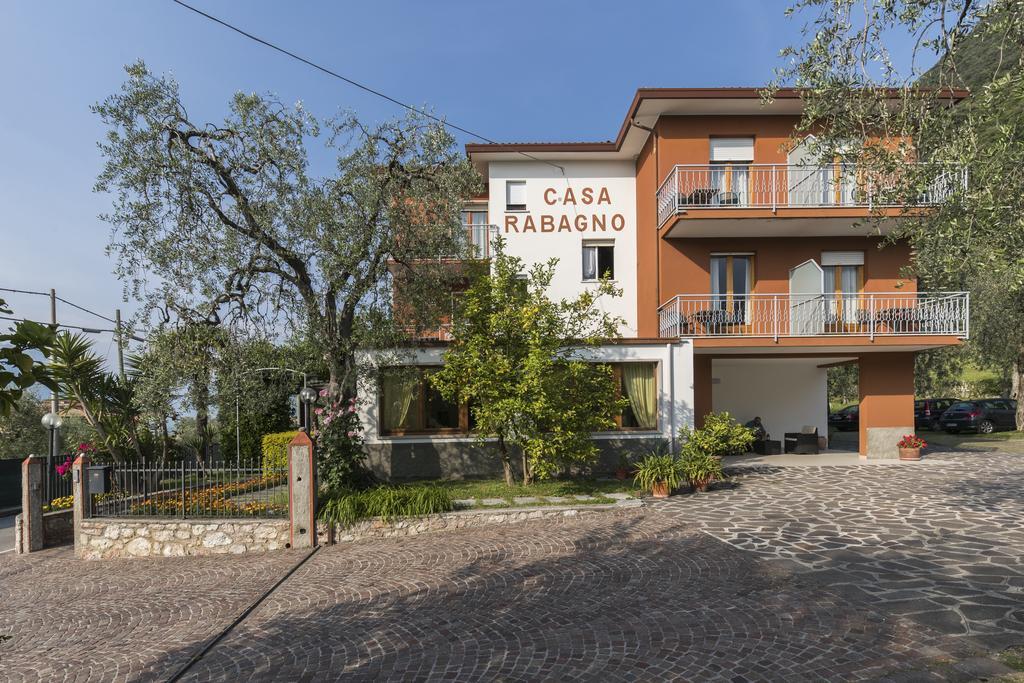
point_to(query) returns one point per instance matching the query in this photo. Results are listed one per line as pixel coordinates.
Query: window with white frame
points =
(598, 260)
(515, 195)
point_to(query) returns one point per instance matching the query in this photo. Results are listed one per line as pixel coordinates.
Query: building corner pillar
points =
(886, 402)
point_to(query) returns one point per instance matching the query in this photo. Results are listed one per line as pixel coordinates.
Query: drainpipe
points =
(657, 241)
(671, 396)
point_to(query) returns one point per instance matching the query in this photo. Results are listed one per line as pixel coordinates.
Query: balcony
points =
(816, 315)
(786, 186)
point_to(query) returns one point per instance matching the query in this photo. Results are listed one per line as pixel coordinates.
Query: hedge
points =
(275, 450)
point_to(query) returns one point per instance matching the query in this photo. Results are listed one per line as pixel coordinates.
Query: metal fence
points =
(805, 315)
(56, 484)
(773, 186)
(187, 489)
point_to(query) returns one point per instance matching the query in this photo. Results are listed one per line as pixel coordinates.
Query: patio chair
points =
(804, 442)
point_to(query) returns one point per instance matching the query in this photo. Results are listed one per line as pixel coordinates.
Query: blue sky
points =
(553, 71)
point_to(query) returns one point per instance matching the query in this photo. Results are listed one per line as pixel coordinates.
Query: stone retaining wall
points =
(58, 529)
(466, 519)
(107, 538)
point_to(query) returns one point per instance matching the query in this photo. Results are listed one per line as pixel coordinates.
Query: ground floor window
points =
(409, 404)
(638, 383)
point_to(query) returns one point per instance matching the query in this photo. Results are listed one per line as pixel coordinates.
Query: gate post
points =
(31, 504)
(302, 492)
(82, 505)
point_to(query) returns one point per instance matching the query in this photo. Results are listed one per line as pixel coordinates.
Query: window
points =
(730, 173)
(598, 260)
(477, 232)
(732, 279)
(515, 195)
(844, 280)
(409, 404)
(638, 383)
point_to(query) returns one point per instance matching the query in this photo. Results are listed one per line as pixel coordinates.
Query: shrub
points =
(656, 468)
(699, 467)
(720, 435)
(275, 451)
(911, 441)
(386, 502)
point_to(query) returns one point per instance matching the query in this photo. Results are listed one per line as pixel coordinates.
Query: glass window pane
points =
(606, 261)
(589, 263)
(740, 275)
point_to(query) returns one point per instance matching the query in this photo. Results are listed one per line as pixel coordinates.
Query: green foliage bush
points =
(720, 435)
(275, 450)
(386, 502)
(656, 468)
(699, 467)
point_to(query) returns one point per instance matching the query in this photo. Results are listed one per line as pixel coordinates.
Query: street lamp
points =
(307, 396)
(52, 422)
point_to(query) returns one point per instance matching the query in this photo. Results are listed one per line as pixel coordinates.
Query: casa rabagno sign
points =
(586, 209)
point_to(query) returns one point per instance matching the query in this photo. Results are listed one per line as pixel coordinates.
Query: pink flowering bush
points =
(339, 441)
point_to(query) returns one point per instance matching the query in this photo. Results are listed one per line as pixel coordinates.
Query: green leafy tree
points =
(21, 431)
(855, 93)
(516, 359)
(19, 368)
(226, 219)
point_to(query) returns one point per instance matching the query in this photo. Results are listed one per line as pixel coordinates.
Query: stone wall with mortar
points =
(466, 519)
(108, 538)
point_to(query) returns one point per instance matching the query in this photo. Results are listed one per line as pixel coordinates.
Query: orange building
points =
(741, 258)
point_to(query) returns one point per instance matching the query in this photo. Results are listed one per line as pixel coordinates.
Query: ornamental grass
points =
(346, 507)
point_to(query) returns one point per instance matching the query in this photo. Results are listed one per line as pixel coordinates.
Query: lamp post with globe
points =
(307, 396)
(52, 421)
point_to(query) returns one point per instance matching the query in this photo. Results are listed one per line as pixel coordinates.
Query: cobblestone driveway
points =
(798, 574)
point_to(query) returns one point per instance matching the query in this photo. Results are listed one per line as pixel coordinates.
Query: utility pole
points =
(120, 344)
(54, 404)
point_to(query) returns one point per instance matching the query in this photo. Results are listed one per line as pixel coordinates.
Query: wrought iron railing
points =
(773, 186)
(188, 489)
(810, 315)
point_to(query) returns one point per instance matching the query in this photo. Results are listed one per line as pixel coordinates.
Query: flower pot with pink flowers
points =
(910, 447)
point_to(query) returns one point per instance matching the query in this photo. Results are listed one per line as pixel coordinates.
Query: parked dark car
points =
(927, 412)
(983, 416)
(846, 419)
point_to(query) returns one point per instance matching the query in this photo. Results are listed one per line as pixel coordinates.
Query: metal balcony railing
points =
(811, 315)
(774, 186)
(478, 240)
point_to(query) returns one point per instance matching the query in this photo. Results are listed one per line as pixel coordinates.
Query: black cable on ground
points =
(238, 620)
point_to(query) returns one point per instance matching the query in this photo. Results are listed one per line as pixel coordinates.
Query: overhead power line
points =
(352, 82)
(61, 299)
(90, 330)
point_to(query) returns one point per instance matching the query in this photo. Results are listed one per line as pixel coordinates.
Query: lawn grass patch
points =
(478, 489)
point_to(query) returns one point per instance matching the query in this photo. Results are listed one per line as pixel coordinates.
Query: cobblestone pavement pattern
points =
(722, 586)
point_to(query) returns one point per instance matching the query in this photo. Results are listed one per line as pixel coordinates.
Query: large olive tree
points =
(229, 219)
(857, 92)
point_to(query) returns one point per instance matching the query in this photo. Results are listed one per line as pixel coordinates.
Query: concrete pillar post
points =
(302, 491)
(886, 402)
(32, 504)
(82, 506)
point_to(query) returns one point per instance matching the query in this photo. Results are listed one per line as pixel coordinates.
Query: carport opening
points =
(843, 399)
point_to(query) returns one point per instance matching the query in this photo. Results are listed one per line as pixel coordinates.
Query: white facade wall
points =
(787, 393)
(565, 207)
(675, 387)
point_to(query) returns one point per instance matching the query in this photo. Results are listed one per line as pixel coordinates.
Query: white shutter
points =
(515, 192)
(732, 149)
(842, 258)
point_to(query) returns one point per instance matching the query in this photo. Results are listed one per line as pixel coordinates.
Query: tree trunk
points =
(527, 473)
(506, 463)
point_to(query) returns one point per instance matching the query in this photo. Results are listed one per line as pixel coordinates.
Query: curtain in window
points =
(641, 390)
(400, 392)
(848, 281)
(589, 263)
(741, 184)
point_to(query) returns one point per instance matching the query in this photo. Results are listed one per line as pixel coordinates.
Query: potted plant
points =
(699, 467)
(658, 472)
(910, 447)
(622, 471)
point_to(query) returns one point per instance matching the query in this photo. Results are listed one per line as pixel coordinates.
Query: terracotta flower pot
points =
(910, 454)
(660, 489)
(621, 474)
(700, 486)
